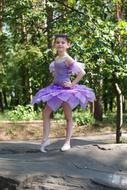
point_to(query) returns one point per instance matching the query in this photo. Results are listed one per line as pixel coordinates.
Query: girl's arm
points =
(52, 70)
(80, 74)
(78, 78)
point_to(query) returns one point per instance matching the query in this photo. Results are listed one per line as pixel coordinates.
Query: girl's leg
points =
(46, 127)
(69, 120)
(46, 122)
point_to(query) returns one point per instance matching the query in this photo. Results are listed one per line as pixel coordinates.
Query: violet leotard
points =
(54, 95)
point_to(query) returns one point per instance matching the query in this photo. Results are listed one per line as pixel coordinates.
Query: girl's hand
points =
(67, 84)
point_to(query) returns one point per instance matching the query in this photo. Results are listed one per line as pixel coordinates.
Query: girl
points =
(63, 92)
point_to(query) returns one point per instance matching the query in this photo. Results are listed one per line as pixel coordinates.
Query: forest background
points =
(98, 33)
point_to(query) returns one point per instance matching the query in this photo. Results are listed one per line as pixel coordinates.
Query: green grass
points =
(4, 116)
(109, 120)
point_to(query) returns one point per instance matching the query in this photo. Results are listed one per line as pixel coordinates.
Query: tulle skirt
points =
(55, 95)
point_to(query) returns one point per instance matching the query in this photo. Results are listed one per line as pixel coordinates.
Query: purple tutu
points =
(56, 94)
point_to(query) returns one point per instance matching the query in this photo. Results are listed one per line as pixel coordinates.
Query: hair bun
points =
(61, 36)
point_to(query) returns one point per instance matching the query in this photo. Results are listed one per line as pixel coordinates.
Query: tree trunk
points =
(25, 70)
(2, 3)
(98, 109)
(98, 102)
(25, 86)
(119, 121)
(1, 24)
(5, 99)
(49, 11)
(124, 105)
(1, 103)
(111, 104)
(92, 107)
(105, 100)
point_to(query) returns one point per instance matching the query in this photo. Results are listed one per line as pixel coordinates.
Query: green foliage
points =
(80, 117)
(27, 30)
(4, 116)
(22, 113)
(59, 115)
(83, 118)
(71, 2)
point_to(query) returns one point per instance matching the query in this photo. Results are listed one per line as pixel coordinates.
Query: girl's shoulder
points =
(56, 58)
(69, 60)
(59, 59)
(52, 66)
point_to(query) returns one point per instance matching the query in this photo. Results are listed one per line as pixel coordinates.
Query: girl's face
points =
(61, 44)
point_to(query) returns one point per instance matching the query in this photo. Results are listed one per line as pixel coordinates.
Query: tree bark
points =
(105, 100)
(92, 107)
(124, 105)
(98, 109)
(111, 104)
(49, 11)
(5, 99)
(1, 24)
(119, 121)
(98, 102)
(1, 103)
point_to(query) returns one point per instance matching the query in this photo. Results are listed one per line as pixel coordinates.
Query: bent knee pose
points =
(63, 92)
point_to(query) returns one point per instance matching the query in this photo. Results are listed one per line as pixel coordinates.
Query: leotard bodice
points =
(61, 72)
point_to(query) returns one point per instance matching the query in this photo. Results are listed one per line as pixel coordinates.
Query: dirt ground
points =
(32, 130)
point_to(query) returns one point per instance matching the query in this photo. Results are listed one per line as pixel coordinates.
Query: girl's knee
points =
(68, 119)
(46, 112)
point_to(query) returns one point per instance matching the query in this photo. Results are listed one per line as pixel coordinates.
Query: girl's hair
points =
(65, 36)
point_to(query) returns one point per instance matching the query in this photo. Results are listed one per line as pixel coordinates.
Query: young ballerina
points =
(63, 92)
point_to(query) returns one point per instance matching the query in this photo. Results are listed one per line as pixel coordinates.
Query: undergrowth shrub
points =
(22, 113)
(80, 117)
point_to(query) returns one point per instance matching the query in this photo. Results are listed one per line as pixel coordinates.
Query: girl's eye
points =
(57, 42)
